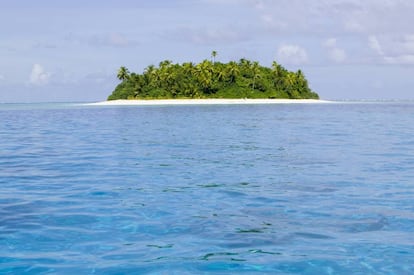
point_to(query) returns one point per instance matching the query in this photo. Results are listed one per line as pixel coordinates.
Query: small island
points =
(213, 80)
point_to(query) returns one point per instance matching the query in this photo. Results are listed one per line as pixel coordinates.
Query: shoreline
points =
(218, 101)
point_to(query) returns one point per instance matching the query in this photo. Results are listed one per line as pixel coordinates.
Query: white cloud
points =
(375, 45)
(39, 76)
(386, 23)
(292, 54)
(407, 59)
(395, 50)
(1, 77)
(335, 53)
(331, 42)
(338, 16)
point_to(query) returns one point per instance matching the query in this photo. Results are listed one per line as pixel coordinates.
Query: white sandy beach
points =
(206, 102)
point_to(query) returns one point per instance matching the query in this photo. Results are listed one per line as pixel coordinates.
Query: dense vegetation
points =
(210, 79)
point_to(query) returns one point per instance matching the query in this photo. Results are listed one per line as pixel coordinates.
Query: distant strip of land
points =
(206, 102)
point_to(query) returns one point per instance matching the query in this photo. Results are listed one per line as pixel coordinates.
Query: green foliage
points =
(211, 79)
(123, 73)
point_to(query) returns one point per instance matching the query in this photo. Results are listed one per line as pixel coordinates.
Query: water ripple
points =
(199, 189)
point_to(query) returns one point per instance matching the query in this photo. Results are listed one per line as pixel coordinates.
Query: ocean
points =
(253, 189)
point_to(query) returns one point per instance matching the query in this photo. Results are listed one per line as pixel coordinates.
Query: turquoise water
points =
(278, 189)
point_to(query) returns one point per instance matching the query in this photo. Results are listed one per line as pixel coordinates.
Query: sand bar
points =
(206, 102)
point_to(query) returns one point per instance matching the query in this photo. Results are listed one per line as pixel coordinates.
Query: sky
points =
(70, 51)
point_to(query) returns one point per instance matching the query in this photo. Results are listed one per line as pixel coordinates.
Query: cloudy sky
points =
(70, 50)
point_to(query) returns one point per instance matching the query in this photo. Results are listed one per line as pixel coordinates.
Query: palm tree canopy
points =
(208, 79)
(123, 73)
(213, 55)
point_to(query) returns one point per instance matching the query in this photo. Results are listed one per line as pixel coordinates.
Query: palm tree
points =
(256, 72)
(276, 68)
(154, 75)
(188, 68)
(165, 76)
(150, 69)
(245, 62)
(292, 85)
(213, 56)
(204, 72)
(278, 73)
(165, 64)
(221, 73)
(123, 73)
(301, 79)
(245, 67)
(232, 70)
(290, 79)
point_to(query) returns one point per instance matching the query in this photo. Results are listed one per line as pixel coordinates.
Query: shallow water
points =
(291, 189)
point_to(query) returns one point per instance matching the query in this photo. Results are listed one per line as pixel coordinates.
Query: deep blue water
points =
(278, 189)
